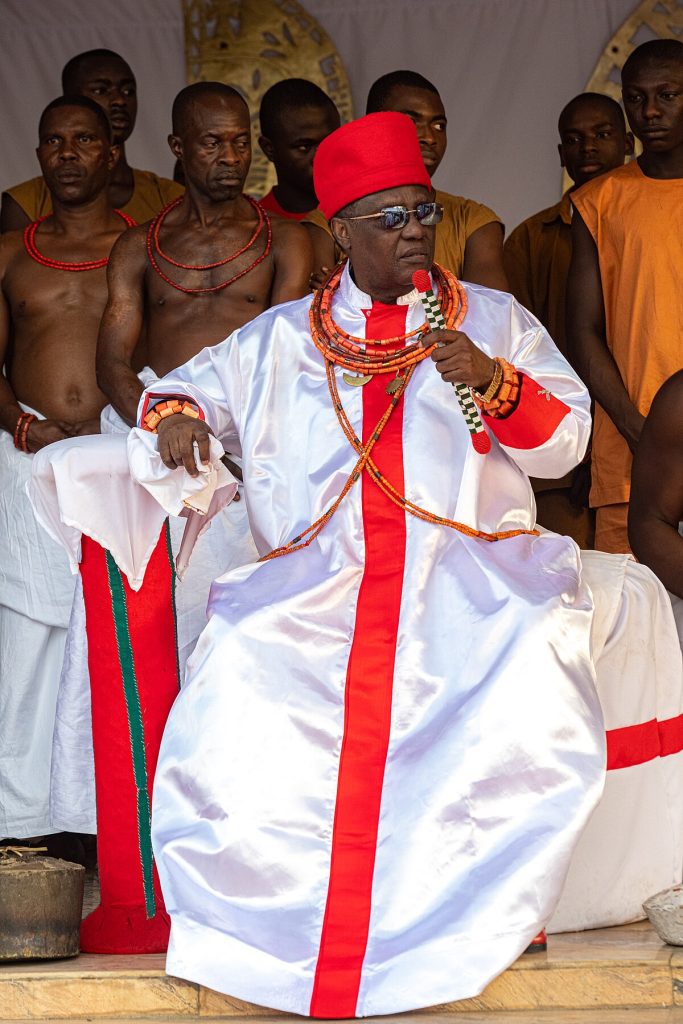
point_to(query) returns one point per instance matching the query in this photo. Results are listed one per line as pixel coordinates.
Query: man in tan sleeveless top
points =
(102, 76)
(624, 299)
(469, 239)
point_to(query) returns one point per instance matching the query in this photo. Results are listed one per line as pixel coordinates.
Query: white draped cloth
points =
(226, 543)
(284, 886)
(36, 590)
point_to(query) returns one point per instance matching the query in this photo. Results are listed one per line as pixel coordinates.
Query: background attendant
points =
(593, 140)
(624, 298)
(469, 239)
(105, 77)
(49, 319)
(295, 117)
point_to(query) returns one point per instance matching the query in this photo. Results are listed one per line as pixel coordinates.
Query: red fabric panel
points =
(637, 744)
(120, 924)
(535, 419)
(368, 697)
(270, 203)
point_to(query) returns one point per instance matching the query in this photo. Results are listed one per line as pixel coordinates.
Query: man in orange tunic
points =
(624, 299)
(593, 140)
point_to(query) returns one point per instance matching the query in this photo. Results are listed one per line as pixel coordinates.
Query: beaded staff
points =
(481, 442)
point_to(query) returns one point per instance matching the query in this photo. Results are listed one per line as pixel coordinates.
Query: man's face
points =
(426, 110)
(75, 155)
(111, 84)
(215, 147)
(384, 261)
(593, 141)
(653, 101)
(300, 132)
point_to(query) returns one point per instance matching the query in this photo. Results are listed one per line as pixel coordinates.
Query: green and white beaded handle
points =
(481, 442)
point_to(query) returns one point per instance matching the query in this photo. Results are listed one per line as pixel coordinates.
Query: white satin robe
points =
(496, 750)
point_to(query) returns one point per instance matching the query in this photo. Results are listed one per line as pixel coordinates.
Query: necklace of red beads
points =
(390, 355)
(155, 252)
(45, 261)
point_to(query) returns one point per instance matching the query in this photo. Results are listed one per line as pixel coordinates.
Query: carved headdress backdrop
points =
(251, 45)
(652, 19)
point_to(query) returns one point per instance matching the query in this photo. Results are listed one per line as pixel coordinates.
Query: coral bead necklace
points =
(155, 253)
(45, 261)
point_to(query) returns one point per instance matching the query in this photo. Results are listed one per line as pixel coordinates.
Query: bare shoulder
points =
(292, 240)
(288, 232)
(666, 414)
(130, 249)
(11, 246)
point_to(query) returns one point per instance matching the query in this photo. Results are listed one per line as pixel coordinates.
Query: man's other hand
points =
(177, 435)
(459, 361)
(44, 432)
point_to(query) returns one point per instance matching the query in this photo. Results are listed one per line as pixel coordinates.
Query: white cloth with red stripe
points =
(632, 846)
(494, 753)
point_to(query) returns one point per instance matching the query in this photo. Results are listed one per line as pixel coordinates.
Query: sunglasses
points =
(393, 218)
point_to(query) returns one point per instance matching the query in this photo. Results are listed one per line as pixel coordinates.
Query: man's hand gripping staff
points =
(458, 361)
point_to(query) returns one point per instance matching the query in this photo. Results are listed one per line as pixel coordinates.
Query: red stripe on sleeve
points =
(535, 419)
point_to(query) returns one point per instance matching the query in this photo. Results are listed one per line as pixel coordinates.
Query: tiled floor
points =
(611, 976)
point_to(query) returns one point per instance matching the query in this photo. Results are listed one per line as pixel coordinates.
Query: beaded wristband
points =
(507, 397)
(494, 386)
(21, 430)
(169, 408)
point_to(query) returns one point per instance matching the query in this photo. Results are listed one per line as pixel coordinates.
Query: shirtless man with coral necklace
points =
(52, 293)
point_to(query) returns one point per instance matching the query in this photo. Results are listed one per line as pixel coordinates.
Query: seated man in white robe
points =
(389, 741)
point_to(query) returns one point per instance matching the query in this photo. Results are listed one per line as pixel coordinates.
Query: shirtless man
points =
(469, 239)
(48, 332)
(104, 77)
(656, 507)
(185, 309)
(256, 263)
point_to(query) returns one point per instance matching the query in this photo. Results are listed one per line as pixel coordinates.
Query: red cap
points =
(376, 152)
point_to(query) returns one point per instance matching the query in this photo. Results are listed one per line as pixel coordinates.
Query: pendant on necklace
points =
(355, 381)
(394, 385)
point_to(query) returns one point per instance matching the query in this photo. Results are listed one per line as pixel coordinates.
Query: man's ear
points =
(266, 147)
(630, 144)
(176, 146)
(559, 150)
(341, 234)
(114, 156)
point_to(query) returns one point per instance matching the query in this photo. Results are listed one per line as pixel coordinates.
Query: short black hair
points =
(380, 91)
(188, 96)
(78, 101)
(72, 68)
(655, 51)
(290, 94)
(597, 98)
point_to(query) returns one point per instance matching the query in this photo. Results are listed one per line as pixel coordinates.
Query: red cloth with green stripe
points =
(134, 681)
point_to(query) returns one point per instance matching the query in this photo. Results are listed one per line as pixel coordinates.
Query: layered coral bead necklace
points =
(45, 261)
(155, 253)
(387, 355)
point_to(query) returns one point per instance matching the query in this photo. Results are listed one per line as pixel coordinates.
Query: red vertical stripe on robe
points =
(368, 696)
